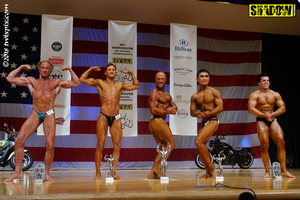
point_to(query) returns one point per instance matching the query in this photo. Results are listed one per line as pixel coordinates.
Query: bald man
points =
(161, 104)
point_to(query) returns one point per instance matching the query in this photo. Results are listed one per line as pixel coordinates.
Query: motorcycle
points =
(7, 154)
(243, 157)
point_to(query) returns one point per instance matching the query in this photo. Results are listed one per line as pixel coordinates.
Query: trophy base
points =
(38, 181)
(278, 177)
(164, 179)
(219, 178)
(109, 179)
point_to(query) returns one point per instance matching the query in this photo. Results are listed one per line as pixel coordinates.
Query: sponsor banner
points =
(57, 48)
(183, 59)
(272, 10)
(122, 51)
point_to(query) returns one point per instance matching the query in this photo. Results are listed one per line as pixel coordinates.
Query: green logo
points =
(56, 46)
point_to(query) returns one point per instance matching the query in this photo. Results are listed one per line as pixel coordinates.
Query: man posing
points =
(43, 92)
(161, 104)
(261, 104)
(210, 103)
(110, 94)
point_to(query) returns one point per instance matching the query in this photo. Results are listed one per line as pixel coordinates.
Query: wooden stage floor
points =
(183, 184)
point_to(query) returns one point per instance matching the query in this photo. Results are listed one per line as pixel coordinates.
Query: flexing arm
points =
(280, 104)
(218, 103)
(13, 76)
(252, 103)
(69, 84)
(193, 107)
(173, 108)
(135, 83)
(90, 81)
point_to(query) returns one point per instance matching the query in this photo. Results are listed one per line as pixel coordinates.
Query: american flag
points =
(233, 59)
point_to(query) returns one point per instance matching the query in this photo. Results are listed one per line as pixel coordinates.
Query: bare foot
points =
(287, 174)
(14, 176)
(116, 177)
(48, 178)
(152, 175)
(98, 178)
(212, 171)
(267, 175)
(205, 176)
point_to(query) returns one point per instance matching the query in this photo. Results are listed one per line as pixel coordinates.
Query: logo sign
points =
(56, 74)
(56, 46)
(183, 46)
(272, 10)
(182, 113)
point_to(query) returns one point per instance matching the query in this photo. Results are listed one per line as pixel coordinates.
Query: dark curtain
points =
(281, 60)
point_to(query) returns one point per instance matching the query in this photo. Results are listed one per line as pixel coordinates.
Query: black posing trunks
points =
(204, 123)
(265, 120)
(110, 119)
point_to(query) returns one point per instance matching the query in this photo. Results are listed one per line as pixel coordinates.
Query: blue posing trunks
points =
(42, 115)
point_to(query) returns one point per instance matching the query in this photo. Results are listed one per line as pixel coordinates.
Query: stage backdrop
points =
(233, 59)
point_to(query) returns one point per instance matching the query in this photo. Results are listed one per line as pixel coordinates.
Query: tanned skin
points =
(109, 94)
(210, 103)
(261, 104)
(161, 104)
(44, 92)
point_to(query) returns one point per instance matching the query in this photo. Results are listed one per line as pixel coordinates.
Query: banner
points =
(56, 46)
(122, 51)
(183, 72)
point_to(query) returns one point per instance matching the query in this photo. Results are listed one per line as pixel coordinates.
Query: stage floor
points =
(183, 184)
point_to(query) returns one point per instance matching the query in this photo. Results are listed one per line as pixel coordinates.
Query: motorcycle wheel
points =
(27, 161)
(246, 161)
(198, 161)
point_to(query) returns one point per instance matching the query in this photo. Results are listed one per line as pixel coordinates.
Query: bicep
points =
(130, 87)
(90, 82)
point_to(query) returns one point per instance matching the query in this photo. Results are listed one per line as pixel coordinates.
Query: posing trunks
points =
(204, 123)
(110, 119)
(265, 120)
(42, 115)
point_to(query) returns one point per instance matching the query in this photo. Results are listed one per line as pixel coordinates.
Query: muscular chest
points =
(163, 97)
(205, 98)
(266, 99)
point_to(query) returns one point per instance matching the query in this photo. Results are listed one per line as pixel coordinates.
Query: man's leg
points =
(263, 136)
(101, 129)
(49, 127)
(116, 136)
(202, 138)
(277, 134)
(26, 130)
(162, 135)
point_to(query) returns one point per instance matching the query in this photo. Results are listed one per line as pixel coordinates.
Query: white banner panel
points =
(183, 72)
(56, 46)
(122, 51)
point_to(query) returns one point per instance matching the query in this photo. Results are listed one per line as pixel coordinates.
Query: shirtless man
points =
(161, 104)
(110, 94)
(43, 92)
(261, 104)
(210, 103)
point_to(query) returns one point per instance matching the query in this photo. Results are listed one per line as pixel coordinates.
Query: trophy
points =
(39, 173)
(276, 169)
(110, 161)
(219, 160)
(163, 163)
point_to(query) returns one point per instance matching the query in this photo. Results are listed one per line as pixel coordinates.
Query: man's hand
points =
(65, 67)
(26, 67)
(268, 116)
(171, 111)
(96, 68)
(127, 71)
